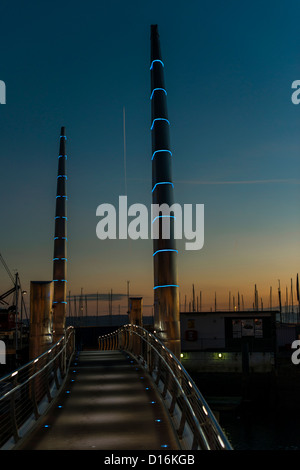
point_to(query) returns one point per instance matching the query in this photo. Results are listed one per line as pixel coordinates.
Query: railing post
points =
(174, 399)
(33, 394)
(165, 389)
(13, 411)
(47, 385)
(62, 347)
(158, 371)
(148, 352)
(55, 376)
(182, 420)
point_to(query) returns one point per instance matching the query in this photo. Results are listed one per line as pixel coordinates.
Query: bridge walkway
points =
(108, 404)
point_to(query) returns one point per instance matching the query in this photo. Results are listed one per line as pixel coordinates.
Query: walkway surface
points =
(107, 404)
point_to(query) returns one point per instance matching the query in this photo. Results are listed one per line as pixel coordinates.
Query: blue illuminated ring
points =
(156, 60)
(163, 182)
(160, 216)
(167, 249)
(165, 150)
(157, 89)
(159, 119)
(166, 285)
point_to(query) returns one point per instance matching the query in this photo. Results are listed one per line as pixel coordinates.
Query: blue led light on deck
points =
(156, 60)
(166, 285)
(157, 89)
(61, 217)
(62, 176)
(163, 150)
(57, 259)
(163, 182)
(59, 156)
(166, 249)
(60, 280)
(160, 216)
(60, 238)
(63, 137)
(62, 196)
(164, 445)
(159, 119)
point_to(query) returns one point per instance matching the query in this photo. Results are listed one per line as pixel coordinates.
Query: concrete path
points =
(107, 404)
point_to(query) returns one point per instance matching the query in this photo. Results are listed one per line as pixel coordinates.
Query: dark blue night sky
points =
(235, 139)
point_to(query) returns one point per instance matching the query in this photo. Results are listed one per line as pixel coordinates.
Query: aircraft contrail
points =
(124, 142)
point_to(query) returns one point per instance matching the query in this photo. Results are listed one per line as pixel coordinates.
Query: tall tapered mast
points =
(166, 295)
(60, 244)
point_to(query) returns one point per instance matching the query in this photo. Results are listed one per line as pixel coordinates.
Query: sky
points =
(234, 134)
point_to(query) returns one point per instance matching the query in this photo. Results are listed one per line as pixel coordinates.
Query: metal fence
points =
(27, 393)
(194, 422)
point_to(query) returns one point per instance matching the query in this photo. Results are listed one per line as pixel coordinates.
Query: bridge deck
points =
(107, 404)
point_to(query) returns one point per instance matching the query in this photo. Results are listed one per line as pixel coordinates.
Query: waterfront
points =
(267, 417)
(262, 429)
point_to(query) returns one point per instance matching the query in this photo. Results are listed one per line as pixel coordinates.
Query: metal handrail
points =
(27, 392)
(195, 424)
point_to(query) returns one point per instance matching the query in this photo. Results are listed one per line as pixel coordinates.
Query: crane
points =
(17, 286)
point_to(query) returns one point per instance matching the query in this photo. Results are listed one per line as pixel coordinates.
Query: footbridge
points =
(130, 394)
